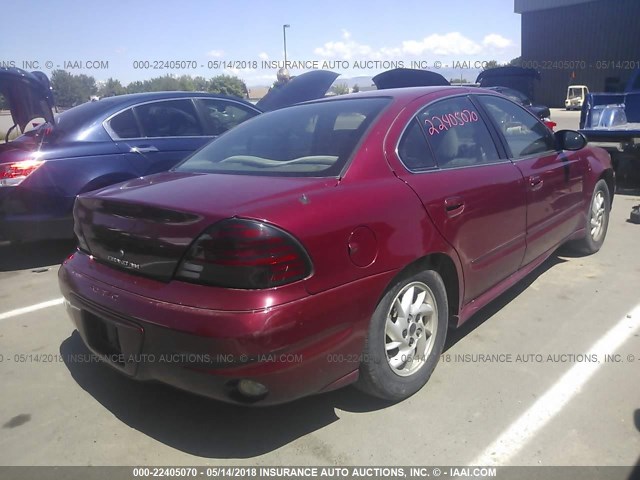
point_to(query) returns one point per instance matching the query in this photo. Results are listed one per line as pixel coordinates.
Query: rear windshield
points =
(312, 140)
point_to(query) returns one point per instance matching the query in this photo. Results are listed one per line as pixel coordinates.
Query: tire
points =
(597, 220)
(634, 216)
(398, 359)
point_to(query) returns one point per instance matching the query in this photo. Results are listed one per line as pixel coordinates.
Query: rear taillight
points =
(246, 254)
(78, 217)
(14, 173)
(82, 242)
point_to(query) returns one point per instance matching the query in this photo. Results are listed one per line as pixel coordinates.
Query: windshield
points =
(311, 140)
(575, 92)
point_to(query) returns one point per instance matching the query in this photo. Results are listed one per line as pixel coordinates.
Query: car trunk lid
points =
(146, 225)
(408, 77)
(29, 95)
(308, 86)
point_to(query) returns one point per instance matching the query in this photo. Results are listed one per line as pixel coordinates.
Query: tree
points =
(70, 90)
(136, 87)
(355, 88)
(200, 84)
(228, 85)
(86, 85)
(185, 83)
(111, 88)
(340, 88)
(490, 64)
(165, 83)
(64, 89)
(516, 62)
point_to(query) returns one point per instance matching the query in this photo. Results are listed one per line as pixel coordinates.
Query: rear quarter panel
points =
(71, 169)
(368, 195)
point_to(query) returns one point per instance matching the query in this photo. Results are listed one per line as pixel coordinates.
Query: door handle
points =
(144, 149)
(535, 182)
(454, 206)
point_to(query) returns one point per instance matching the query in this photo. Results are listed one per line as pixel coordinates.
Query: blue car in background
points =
(100, 143)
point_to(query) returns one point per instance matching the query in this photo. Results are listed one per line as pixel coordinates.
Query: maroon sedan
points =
(327, 243)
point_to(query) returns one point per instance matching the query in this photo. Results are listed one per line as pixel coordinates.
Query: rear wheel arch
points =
(609, 177)
(446, 268)
(105, 181)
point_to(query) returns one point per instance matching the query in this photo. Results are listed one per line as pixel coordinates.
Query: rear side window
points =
(457, 134)
(314, 139)
(524, 134)
(124, 125)
(413, 149)
(222, 115)
(172, 118)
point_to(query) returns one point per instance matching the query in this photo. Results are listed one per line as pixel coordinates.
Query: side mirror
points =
(570, 140)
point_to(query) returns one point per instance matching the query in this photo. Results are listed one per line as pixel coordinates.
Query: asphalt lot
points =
(562, 410)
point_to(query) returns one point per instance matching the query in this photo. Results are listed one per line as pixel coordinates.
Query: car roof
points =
(406, 94)
(91, 112)
(149, 96)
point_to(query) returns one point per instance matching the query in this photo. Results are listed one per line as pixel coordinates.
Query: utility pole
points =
(284, 36)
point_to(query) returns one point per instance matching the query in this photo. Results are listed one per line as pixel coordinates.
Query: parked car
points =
(576, 95)
(539, 111)
(107, 141)
(517, 83)
(330, 242)
(517, 78)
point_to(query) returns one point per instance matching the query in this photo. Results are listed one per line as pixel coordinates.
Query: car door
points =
(157, 135)
(554, 180)
(474, 195)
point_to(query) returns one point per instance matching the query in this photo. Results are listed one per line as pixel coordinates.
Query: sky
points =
(118, 38)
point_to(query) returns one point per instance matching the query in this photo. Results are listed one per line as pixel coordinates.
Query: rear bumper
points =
(295, 349)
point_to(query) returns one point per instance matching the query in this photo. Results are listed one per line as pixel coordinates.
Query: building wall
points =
(589, 34)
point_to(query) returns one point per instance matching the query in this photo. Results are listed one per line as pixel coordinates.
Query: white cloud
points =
(452, 43)
(497, 41)
(215, 53)
(263, 56)
(345, 49)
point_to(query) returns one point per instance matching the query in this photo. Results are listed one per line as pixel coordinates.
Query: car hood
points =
(29, 95)
(408, 77)
(518, 78)
(308, 86)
